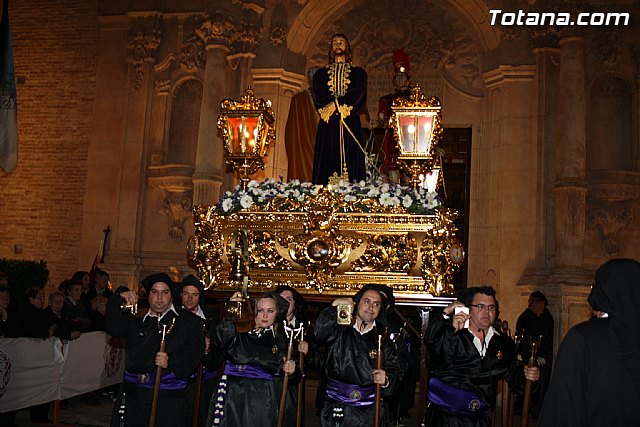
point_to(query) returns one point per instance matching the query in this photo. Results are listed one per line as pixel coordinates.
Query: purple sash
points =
(456, 400)
(208, 375)
(167, 381)
(246, 371)
(350, 394)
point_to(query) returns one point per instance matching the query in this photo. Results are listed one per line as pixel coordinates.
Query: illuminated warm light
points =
(429, 181)
(411, 129)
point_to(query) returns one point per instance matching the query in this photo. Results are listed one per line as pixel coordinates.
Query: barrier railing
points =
(35, 371)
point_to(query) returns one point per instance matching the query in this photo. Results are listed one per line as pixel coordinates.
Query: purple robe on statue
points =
(326, 159)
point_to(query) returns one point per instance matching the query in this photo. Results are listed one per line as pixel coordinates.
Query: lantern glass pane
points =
(407, 132)
(425, 133)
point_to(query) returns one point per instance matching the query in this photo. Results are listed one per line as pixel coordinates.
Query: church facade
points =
(118, 102)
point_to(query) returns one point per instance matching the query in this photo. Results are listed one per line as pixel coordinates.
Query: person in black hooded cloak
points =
(184, 347)
(350, 360)
(596, 377)
(193, 298)
(246, 394)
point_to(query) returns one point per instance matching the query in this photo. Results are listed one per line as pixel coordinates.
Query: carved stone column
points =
(215, 32)
(142, 41)
(158, 119)
(278, 86)
(243, 52)
(570, 186)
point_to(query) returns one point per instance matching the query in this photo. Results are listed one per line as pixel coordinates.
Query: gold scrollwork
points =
(388, 252)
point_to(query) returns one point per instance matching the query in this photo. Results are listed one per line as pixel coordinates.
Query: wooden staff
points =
(526, 400)
(285, 381)
(376, 402)
(299, 408)
(156, 386)
(196, 408)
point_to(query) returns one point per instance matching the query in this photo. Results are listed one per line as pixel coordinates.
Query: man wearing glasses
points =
(465, 361)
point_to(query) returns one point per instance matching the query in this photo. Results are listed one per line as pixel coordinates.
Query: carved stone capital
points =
(217, 29)
(193, 53)
(246, 39)
(142, 42)
(163, 86)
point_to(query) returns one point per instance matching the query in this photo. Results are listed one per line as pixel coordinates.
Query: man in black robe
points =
(184, 347)
(351, 358)
(536, 324)
(193, 298)
(339, 92)
(596, 380)
(465, 362)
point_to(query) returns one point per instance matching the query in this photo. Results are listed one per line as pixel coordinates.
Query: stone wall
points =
(42, 199)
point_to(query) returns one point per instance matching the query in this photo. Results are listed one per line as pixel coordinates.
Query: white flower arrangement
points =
(386, 194)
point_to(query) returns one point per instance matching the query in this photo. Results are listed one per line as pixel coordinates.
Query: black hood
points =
(192, 280)
(616, 291)
(152, 279)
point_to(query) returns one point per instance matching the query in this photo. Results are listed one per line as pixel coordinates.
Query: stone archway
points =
(446, 41)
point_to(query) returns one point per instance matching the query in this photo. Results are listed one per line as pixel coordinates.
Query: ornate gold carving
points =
(388, 253)
(247, 129)
(329, 248)
(438, 265)
(142, 43)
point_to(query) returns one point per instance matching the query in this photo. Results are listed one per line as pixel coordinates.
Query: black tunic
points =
(590, 386)
(532, 327)
(211, 362)
(453, 358)
(184, 346)
(348, 360)
(326, 158)
(250, 401)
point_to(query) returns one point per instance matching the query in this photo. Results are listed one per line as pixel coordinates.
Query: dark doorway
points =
(456, 169)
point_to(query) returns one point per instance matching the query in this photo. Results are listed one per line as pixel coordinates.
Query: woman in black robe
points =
(246, 395)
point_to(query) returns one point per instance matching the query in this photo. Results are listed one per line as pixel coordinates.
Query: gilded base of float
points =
(327, 246)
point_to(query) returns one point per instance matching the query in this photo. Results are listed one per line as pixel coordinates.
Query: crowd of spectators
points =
(76, 307)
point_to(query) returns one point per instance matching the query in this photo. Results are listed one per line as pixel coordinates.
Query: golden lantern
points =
(417, 128)
(246, 128)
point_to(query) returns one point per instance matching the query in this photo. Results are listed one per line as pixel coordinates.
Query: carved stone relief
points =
(609, 222)
(278, 34)
(438, 44)
(142, 43)
(245, 39)
(177, 211)
(607, 46)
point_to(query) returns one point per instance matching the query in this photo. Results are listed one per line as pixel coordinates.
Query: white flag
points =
(8, 103)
